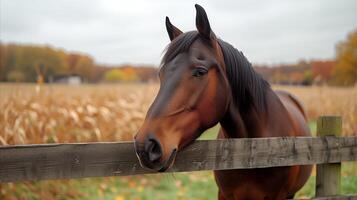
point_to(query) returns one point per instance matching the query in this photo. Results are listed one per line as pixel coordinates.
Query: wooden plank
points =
(328, 176)
(60, 161)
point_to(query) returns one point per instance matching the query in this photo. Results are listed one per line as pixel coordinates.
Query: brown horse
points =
(205, 81)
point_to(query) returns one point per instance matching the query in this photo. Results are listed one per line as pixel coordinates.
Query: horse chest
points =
(265, 183)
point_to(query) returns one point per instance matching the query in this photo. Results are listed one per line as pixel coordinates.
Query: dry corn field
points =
(59, 113)
(325, 100)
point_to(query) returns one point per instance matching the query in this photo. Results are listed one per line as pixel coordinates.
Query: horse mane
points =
(247, 86)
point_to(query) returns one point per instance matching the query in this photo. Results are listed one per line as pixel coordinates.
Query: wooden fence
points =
(79, 160)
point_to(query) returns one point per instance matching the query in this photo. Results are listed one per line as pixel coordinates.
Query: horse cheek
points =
(214, 102)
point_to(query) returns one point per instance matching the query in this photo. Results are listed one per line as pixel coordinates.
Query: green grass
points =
(161, 187)
(176, 186)
(210, 134)
(312, 126)
(348, 181)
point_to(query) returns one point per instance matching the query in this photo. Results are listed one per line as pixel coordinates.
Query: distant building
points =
(71, 79)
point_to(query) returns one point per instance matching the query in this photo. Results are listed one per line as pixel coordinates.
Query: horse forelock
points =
(179, 45)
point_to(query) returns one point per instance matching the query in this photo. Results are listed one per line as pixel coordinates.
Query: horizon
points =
(129, 64)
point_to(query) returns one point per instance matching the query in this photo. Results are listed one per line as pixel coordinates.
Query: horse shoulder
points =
(297, 112)
(294, 99)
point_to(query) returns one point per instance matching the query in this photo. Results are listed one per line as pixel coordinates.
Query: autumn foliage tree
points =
(322, 70)
(127, 74)
(345, 72)
(27, 62)
(82, 65)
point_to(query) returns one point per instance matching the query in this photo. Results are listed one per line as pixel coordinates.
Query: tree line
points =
(28, 63)
(300, 73)
(341, 71)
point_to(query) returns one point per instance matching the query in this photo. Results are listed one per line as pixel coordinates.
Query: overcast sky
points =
(133, 31)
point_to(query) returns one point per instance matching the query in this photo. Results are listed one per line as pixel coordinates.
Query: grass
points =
(172, 186)
(210, 134)
(348, 181)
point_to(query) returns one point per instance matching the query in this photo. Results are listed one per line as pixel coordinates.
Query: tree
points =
(129, 74)
(307, 78)
(30, 61)
(322, 69)
(2, 62)
(114, 75)
(15, 76)
(345, 72)
(121, 75)
(84, 67)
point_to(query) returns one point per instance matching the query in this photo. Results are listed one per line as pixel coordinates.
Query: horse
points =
(205, 81)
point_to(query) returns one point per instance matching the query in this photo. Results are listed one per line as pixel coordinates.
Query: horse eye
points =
(199, 71)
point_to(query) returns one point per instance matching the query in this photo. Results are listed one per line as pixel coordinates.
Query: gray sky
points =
(133, 31)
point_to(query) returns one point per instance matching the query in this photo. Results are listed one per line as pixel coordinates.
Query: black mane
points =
(248, 87)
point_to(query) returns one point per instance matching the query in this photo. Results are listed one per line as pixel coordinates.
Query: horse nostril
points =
(153, 149)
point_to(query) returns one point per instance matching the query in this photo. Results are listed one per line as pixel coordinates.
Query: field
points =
(87, 113)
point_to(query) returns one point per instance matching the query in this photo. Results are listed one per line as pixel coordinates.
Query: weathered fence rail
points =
(79, 160)
(58, 161)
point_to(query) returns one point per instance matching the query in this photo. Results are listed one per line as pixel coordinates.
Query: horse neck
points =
(251, 122)
(236, 124)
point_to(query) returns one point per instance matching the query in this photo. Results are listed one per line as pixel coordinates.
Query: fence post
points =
(328, 176)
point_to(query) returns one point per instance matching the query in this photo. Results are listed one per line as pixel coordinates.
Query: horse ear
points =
(172, 30)
(202, 23)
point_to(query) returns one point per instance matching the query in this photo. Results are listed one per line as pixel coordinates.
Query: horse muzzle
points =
(150, 153)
